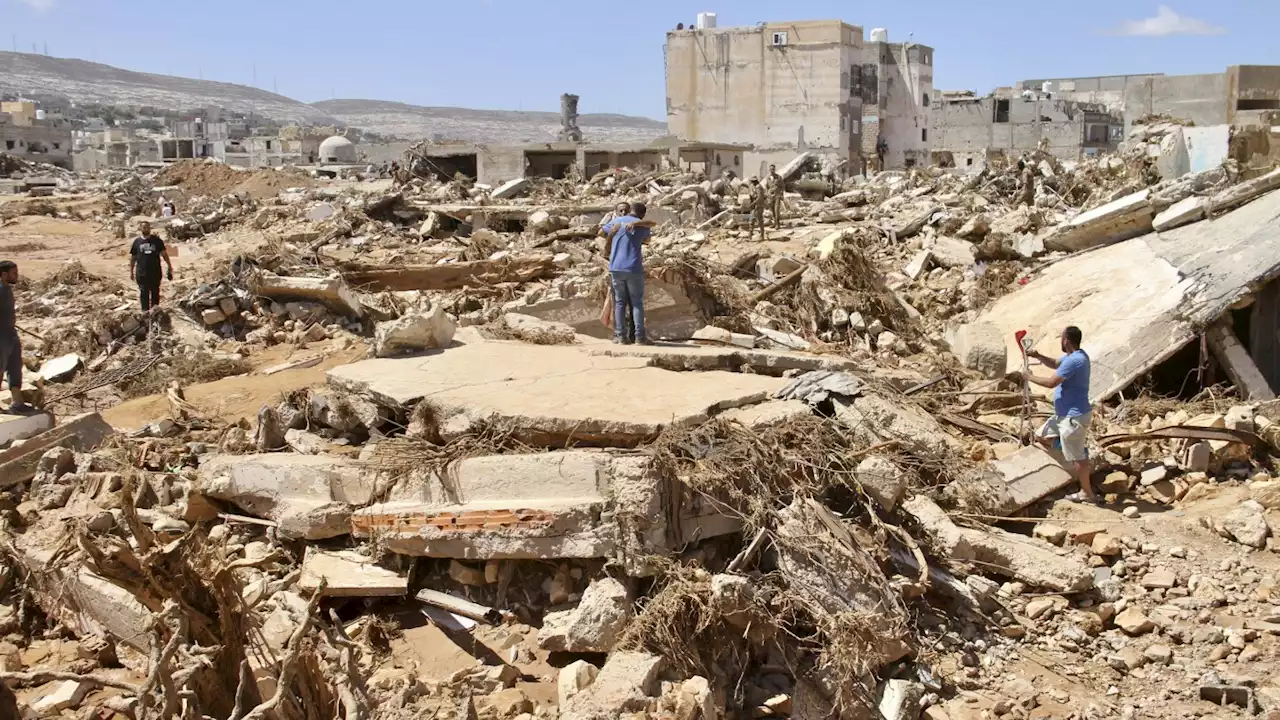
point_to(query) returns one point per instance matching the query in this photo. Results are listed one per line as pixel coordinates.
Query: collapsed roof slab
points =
(552, 395)
(559, 504)
(1139, 301)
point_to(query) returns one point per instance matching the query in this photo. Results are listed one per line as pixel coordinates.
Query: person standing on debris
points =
(624, 237)
(756, 200)
(882, 149)
(144, 266)
(1072, 413)
(10, 343)
(1028, 184)
(773, 184)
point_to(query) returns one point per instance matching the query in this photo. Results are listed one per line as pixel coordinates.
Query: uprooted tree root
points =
(753, 475)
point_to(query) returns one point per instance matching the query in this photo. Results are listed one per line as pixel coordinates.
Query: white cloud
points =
(38, 5)
(1167, 22)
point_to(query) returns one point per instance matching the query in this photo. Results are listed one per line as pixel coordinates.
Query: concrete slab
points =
(1029, 475)
(1181, 279)
(1122, 219)
(333, 291)
(82, 432)
(308, 496)
(774, 412)
(552, 394)
(21, 427)
(570, 504)
(346, 573)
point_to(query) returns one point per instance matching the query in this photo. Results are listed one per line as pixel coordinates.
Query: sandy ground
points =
(239, 396)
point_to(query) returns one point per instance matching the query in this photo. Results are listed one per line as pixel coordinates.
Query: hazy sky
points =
(521, 54)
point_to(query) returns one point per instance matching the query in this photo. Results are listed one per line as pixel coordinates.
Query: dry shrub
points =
(847, 279)
(187, 369)
(26, 247)
(752, 473)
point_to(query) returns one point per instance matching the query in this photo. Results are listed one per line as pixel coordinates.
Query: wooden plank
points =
(450, 276)
(1248, 380)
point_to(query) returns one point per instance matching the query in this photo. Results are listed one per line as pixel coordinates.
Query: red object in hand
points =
(1018, 337)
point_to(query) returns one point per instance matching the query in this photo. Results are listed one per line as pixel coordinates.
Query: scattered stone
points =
(1133, 622)
(64, 695)
(883, 480)
(574, 678)
(1247, 524)
(900, 700)
(1131, 512)
(425, 330)
(1153, 475)
(1164, 579)
(1106, 545)
(1050, 532)
(1159, 654)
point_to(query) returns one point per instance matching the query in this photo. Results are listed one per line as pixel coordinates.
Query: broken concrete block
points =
(1028, 560)
(1133, 622)
(529, 327)
(18, 464)
(574, 678)
(427, 330)
(949, 252)
(882, 480)
(944, 535)
(1266, 494)
(1184, 212)
(1245, 191)
(979, 346)
(346, 573)
(511, 189)
(900, 700)
(21, 427)
(331, 291)
(594, 626)
(304, 442)
(1247, 524)
(917, 265)
(976, 227)
(1198, 457)
(467, 575)
(309, 496)
(721, 336)
(625, 684)
(1128, 217)
(1052, 534)
(213, 316)
(64, 695)
(1030, 474)
(61, 368)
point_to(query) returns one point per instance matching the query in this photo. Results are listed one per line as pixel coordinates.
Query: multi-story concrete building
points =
(25, 132)
(897, 101)
(1237, 96)
(969, 130)
(781, 87)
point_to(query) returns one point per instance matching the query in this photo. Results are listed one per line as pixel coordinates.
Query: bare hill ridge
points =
(511, 126)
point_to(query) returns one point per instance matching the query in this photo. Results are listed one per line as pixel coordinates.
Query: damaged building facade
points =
(1237, 96)
(26, 133)
(807, 86)
(497, 164)
(969, 130)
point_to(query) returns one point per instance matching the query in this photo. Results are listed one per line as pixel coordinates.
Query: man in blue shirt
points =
(1072, 412)
(624, 237)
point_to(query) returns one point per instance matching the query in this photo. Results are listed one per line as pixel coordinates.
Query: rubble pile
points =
(378, 459)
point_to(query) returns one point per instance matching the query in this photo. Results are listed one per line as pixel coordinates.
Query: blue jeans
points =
(628, 292)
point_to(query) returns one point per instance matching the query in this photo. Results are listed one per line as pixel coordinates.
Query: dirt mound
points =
(214, 179)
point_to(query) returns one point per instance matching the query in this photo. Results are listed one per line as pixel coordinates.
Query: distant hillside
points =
(494, 126)
(80, 81)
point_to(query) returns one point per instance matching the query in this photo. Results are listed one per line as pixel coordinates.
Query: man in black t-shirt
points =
(144, 265)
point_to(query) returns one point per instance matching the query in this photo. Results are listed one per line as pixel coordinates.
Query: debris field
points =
(374, 454)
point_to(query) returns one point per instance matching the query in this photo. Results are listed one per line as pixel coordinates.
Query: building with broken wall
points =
(27, 134)
(897, 101)
(782, 87)
(969, 130)
(497, 164)
(1237, 96)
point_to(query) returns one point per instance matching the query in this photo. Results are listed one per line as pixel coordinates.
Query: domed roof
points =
(337, 149)
(334, 142)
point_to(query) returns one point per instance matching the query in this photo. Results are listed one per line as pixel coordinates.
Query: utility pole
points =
(46, 48)
(255, 74)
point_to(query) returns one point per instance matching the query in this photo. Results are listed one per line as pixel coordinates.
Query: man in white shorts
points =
(1072, 413)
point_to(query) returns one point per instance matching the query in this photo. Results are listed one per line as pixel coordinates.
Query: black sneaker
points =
(21, 409)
